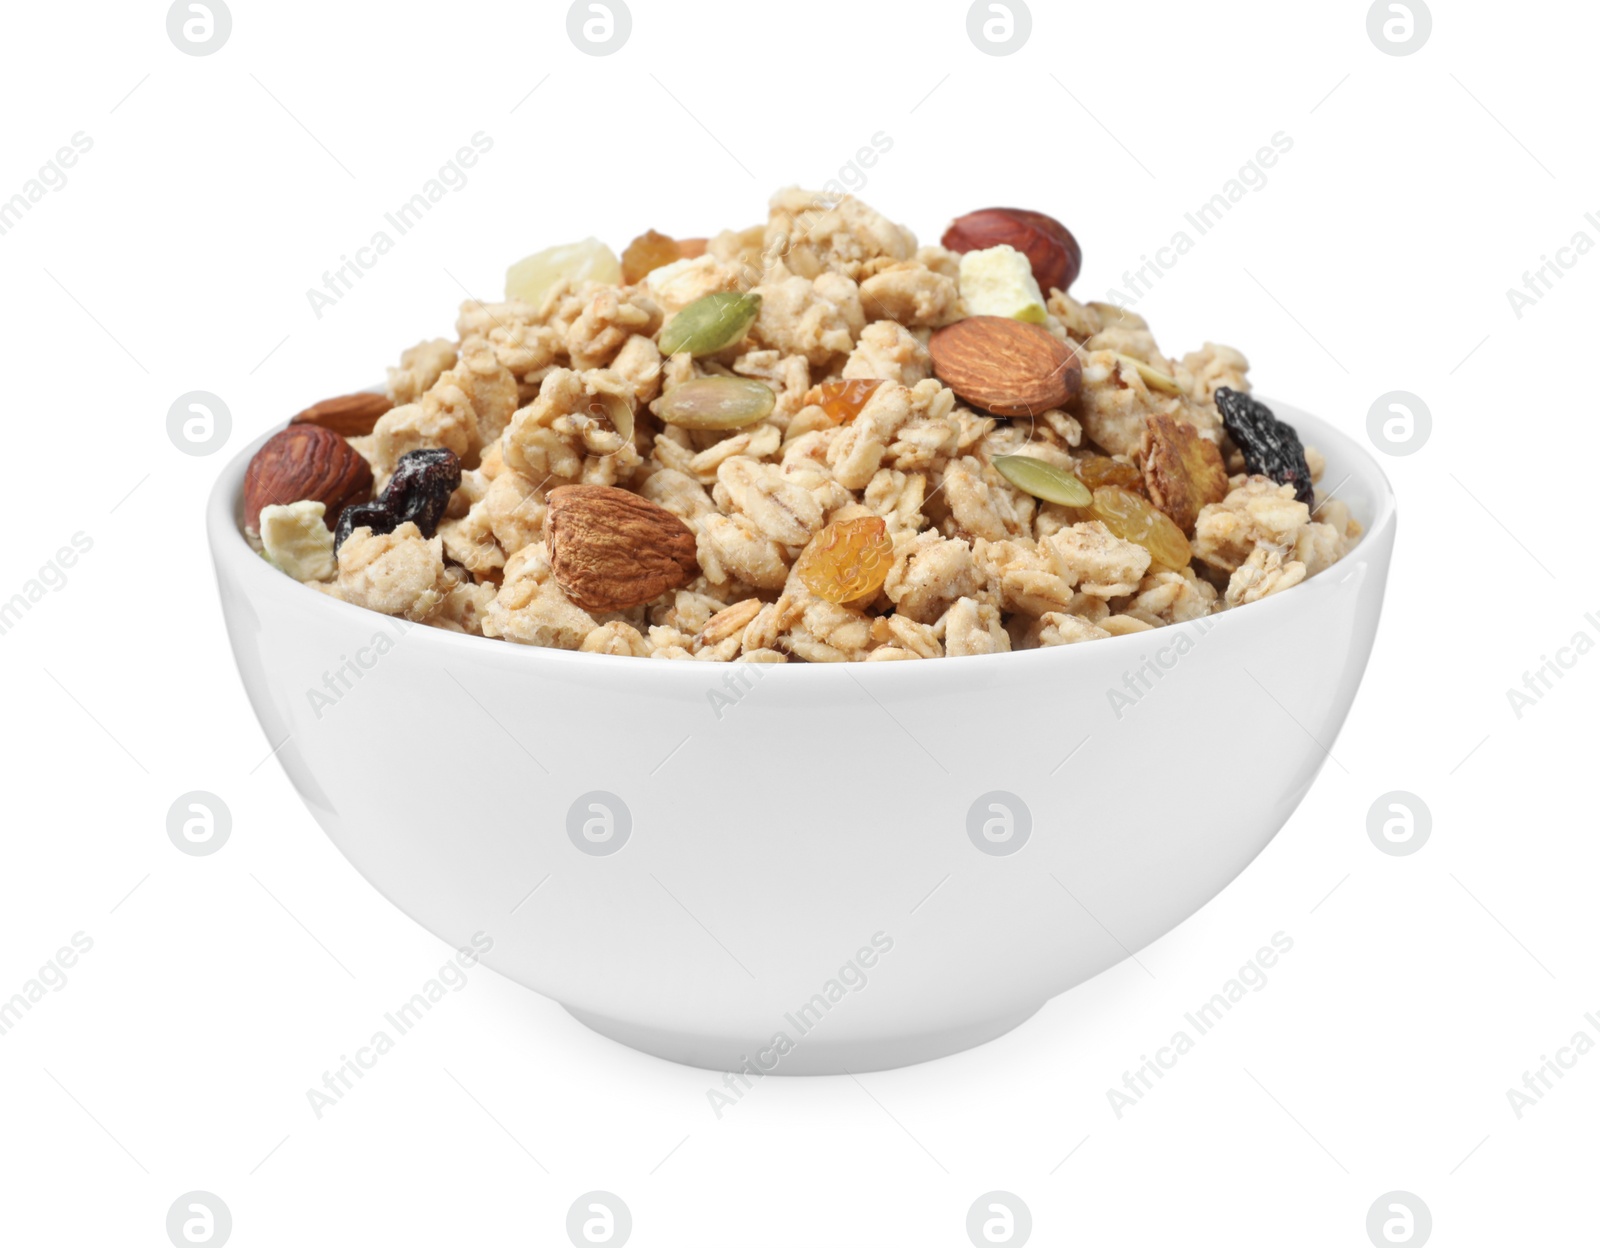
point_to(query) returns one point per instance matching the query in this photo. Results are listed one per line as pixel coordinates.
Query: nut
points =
(611, 550)
(305, 462)
(1049, 245)
(349, 415)
(1004, 366)
(1183, 472)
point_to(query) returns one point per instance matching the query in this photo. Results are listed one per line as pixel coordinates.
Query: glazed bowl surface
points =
(807, 868)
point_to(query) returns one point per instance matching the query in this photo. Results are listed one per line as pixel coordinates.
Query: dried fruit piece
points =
(997, 281)
(1271, 447)
(1133, 519)
(842, 401)
(421, 486)
(305, 462)
(1098, 470)
(1052, 252)
(848, 560)
(611, 550)
(1043, 480)
(692, 248)
(710, 324)
(1006, 367)
(374, 516)
(533, 277)
(297, 542)
(1182, 471)
(647, 253)
(419, 491)
(349, 415)
(717, 403)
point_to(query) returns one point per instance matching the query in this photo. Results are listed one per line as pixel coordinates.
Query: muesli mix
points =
(811, 440)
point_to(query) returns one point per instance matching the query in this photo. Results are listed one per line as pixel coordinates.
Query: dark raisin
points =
(1271, 448)
(418, 492)
(374, 516)
(421, 487)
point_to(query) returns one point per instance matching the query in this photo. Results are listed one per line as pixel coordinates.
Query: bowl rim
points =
(232, 554)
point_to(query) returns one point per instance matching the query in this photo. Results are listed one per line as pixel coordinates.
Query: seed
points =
(1042, 480)
(647, 253)
(615, 411)
(1133, 519)
(717, 403)
(848, 560)
(710, 324)
(842, 401)
(1152, 377)
(533, 277)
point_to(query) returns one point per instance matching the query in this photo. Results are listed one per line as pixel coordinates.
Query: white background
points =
(1377, 258)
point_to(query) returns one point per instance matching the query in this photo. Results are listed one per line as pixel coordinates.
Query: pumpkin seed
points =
(717, 403)
(1152, 377)
(615, 409)
(1042, 480)
(710, 324)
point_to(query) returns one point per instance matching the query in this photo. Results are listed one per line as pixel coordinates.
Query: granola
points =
(856, 514)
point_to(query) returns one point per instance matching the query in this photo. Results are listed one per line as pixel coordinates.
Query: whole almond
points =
(305, 462)
(1051, 250)
(611, 550)
(1006, 367)
(349, 415)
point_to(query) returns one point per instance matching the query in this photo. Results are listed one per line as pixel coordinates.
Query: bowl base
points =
(807, 1056)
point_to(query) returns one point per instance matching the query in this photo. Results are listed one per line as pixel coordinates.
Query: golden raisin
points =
(1097, 470)
(842, 401)
(848, 560)
(647, 253)
(1133, 519)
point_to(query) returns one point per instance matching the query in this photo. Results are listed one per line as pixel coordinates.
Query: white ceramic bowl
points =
(879, 863)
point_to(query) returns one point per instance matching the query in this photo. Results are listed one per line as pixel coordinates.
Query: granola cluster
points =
(569, 389)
